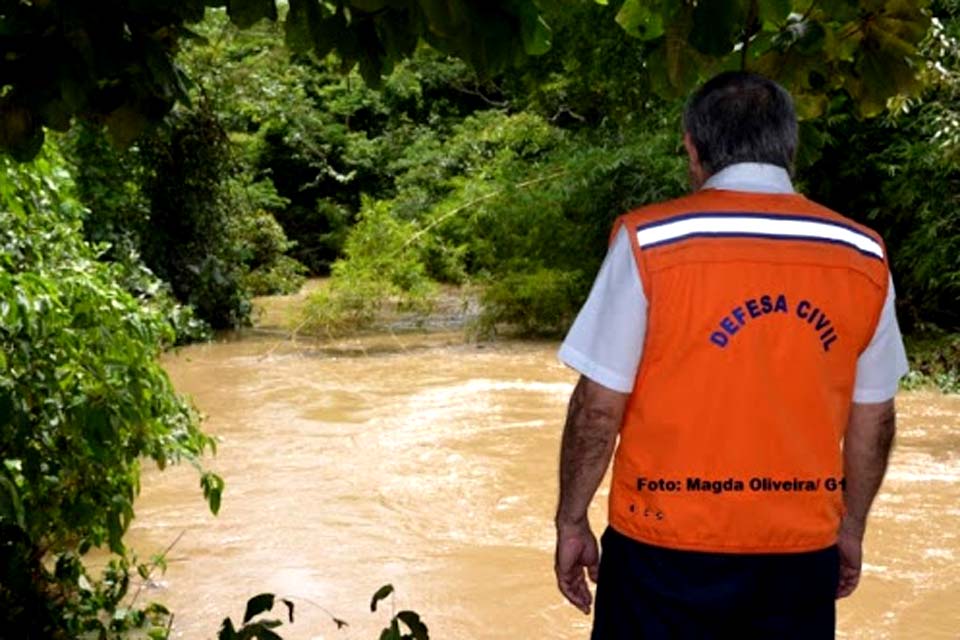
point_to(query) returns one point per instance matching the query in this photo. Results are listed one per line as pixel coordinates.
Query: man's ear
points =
(691, 149)
(697, 174)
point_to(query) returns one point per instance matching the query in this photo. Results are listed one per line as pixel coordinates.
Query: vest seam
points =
(665, 543)
(639, 259)
(877, 315)
(863, 272)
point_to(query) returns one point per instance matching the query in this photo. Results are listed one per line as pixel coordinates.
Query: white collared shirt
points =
(605, 342)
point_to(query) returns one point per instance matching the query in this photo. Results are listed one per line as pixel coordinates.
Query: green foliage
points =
(934, 360)
(897, 164)
(376, 34)
(901, 174)
(542, 302)
(256, 629)
(143, 199)
(109, 183)
(62, 59)
(192, 227)
(382, 268)
(415, 628)
(865, 49)
(82, 401)
(119, 69)
(260, 629)
(593, 72)
(323, 138)
(511, 202)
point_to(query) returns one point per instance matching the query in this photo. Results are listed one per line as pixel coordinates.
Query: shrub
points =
(543, 302)
(226, 245)
(263, 248)
(192, 241)
(82, 400)
(383, 266)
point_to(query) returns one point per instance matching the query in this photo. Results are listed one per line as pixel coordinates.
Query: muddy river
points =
(430, 464)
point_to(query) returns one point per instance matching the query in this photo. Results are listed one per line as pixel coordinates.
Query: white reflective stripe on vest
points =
(757, 226)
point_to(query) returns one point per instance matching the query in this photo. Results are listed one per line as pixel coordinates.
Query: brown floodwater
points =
(430, 464)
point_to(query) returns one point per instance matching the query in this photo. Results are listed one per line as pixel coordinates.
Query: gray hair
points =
(739, 116)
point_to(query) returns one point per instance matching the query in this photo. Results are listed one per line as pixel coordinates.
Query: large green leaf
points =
(841, 43)
(772, 13)
(246, 13)
(391, 633)
(397, 33)
(536, 35)
(256, 605)
(126, 123)
(810, 105)
(880, 74)
(674, 66)
(11, 507)
(444, 17)
(381, 593)
(20, 134)
(212, 486)
(885, 62)
(910, 11)
(227, 630)
(418, 630)
(300, 23)
(641, 19)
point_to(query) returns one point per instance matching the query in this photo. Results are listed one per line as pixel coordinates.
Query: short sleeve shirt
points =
(605, 343)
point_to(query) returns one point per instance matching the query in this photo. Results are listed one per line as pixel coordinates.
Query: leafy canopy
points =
(866, 49)
(61, 59)
(115, 64)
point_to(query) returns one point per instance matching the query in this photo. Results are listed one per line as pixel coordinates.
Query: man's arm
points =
(866, 449)
(589, 435)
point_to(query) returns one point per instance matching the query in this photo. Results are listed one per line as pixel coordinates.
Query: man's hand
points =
(850, 545)
(593, 421)
(576, 550)
(866, 449)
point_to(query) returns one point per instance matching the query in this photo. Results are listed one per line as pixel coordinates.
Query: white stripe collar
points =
(755, 177)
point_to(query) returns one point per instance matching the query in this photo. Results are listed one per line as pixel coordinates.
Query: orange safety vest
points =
(759, 307)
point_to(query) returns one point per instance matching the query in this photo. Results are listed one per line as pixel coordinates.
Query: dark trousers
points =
(647, 592)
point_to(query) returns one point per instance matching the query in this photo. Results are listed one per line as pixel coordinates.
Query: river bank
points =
(455, 314)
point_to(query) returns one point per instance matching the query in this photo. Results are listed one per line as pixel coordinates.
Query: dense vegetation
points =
(247, 165)
(116, 65)
(511, 181)
(83, 399)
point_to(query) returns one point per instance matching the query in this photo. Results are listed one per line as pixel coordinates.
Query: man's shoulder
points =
(663, 209)
(839, 218)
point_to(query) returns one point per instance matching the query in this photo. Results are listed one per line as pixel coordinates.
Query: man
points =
(742, 343)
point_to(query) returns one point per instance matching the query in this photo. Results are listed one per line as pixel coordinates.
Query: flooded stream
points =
(431, 464)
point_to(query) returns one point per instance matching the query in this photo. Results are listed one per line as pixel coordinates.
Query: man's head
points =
(738, 117)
